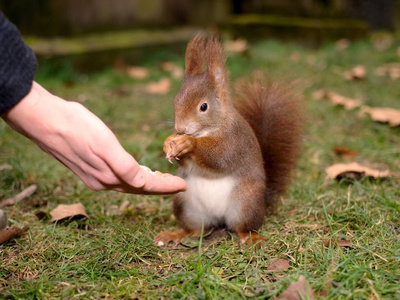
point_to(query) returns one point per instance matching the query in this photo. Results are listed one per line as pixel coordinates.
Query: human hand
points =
(82, 142)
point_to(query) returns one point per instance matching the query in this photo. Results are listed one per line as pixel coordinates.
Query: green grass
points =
(114, 256)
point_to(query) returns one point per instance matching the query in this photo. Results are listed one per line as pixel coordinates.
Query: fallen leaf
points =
(70, 211)
(357, 73)
(8, 233)
(239, 45)
(345, 153)
(161, 87)
(22, 195)
(337, 99)
(383, 114)
(342, 44)
(5, 167)
(175, 70)
(298, 290)
(355, 170)
(278, 265)
(320, 94)
(137, 72)
(392, 70)
(330, 242)
(382, 41)
(131, 71)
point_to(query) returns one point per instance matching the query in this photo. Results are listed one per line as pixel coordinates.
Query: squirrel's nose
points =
(180, 128)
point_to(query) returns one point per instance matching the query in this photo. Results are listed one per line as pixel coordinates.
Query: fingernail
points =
(145, 168)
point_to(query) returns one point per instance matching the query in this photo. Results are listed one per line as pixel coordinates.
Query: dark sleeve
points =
(17, 66)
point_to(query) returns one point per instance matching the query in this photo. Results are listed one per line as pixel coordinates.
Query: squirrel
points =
(236, 156)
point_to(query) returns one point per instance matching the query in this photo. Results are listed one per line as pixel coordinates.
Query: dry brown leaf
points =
(320, 94)
(239, 45)
(131, 71)
(345, 153)
(348, 103)
(383, 114)
(330, 242)
(70, 211)
(161, 87)
(278, 265)
(137, 72)
(175, 70)
(8, 233)
(22, 195)
(298, 290)
(5, 167)
(382, 41)
(357, 73)
(355, 170)
(392, 70)
(342, 44)
(337, 99)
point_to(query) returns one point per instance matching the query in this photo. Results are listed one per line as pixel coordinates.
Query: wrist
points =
(33, 115)
(24, 109)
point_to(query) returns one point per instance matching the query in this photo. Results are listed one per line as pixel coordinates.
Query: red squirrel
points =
(236, 156)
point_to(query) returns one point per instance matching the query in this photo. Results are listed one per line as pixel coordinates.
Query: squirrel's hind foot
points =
(251, 238)
(166, 237)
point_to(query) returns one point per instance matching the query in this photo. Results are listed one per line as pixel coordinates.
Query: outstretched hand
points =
(82, 142)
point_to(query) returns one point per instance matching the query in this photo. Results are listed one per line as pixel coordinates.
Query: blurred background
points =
(94, 32)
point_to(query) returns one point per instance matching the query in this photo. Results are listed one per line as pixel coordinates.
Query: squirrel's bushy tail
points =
(275, 114)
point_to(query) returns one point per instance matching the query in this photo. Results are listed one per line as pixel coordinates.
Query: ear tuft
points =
(216, 63)
(194, 58)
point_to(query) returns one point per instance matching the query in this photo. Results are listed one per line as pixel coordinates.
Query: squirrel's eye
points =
(203, 107)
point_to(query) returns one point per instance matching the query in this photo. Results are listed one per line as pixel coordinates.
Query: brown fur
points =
(257, 143)
(275, 115)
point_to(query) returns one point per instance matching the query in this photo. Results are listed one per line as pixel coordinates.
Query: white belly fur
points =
(208, 198)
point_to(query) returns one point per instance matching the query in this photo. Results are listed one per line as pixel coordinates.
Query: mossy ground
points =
(115, 257)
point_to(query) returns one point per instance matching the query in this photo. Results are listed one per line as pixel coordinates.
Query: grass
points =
(114, 256)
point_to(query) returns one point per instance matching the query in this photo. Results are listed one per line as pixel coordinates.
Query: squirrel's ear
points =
(194, 58)
(216, 63)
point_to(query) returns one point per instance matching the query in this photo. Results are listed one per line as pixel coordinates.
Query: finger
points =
(163, 184)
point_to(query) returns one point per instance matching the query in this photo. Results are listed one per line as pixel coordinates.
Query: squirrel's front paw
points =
(178, 145)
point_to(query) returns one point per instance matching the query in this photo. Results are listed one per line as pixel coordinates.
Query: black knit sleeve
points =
(17, 66)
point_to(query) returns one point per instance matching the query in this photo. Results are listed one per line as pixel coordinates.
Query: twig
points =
(25, 193)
